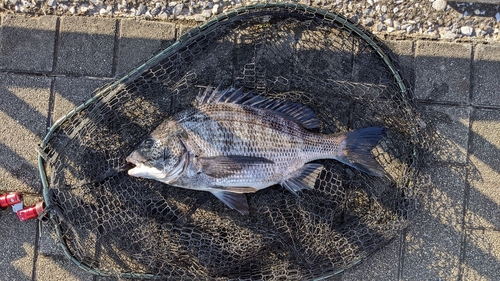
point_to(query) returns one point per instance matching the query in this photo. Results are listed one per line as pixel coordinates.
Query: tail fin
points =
(357, 150)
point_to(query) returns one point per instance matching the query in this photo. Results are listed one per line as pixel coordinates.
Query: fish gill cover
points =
(113, 224)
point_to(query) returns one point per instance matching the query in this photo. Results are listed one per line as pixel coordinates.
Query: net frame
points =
(185, 40)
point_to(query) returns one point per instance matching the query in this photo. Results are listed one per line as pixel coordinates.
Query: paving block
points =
(381, 265)
(18, 238)
(141, 40)
(484, 176)
(450, 142)
(482, 256)
(442, 71)
(59, 268)
(183, 29)
(432, 242)
(70, 92)
(27, 44)
(86, 46)
(486, 87)
(23, 111)
(403, 50)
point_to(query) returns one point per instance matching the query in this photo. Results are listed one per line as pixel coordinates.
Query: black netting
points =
(115, 224)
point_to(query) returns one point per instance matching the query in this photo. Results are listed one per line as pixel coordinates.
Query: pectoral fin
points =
(224, 166)
(235, 201)
(305, 178)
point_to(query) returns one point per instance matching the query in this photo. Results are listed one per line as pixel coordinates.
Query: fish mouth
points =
(139, 169)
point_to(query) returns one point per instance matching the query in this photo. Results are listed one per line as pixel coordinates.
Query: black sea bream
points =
(233, 142)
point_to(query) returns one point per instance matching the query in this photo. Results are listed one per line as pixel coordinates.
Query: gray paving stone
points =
(403, 50)
(382, 265)
(27, 44)
(482, 256)
(59, 268)
(442, 71)
(486, 90)
(484, 155)
(70, 92)
(16, 256)
(140, 40)
(23, 111)
(86, 46)
(452, 124)
(183, 29)
(432, 244)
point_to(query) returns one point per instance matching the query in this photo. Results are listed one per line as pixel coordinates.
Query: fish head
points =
(159, 159)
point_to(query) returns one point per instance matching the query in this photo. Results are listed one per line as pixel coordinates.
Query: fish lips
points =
(142, 170)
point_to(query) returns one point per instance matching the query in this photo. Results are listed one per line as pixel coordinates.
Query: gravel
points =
(435, 19)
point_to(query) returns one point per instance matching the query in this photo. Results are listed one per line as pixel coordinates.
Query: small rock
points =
(216, 9)
(449, 35)
(396, 25)
(172, 4)
(73, 10)
(199, 18)
(439, 5)
(409, 29)
(206, 13)
(368, 21)
(497, 16)
(52, 3)
(383, 9)
(388, 22)
(395, 10)
(155, 11)
(380, 26)
(177, 9)
(141, 10)
(84, 8)
(103, 12)
(467, 30)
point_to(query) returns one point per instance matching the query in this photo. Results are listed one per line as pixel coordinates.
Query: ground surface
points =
(456, 79)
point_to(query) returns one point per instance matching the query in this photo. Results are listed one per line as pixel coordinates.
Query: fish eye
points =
(148, 144)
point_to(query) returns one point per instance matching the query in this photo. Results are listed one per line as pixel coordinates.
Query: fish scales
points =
(232, 142)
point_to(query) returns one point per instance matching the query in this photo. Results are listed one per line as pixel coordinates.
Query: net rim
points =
(181, 42)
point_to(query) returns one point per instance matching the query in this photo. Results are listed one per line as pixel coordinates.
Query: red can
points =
(30, 212)
(10, 199)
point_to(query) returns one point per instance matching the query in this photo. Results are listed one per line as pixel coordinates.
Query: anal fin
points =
(305, 178)
(235, 201)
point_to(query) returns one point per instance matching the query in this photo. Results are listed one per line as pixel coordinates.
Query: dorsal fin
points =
(294, 111)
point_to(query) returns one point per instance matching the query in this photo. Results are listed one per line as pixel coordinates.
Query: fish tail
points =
(356, 150)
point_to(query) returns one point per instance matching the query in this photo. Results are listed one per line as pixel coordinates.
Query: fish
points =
(231, 142)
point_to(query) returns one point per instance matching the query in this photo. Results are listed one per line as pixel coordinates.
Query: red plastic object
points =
(30, 212)
(10, 199)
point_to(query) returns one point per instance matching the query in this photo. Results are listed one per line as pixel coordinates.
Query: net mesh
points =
(114, 224)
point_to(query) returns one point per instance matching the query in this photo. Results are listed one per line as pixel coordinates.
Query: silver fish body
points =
(232, 142)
